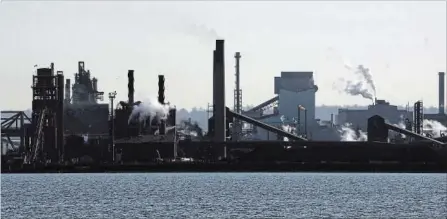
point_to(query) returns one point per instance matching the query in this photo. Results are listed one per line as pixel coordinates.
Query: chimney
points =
(81, 67)
(95, 84)
(441, 92)
(161, 89)
(67, 90)
(131, 90)
(52, 69)
(219, 94)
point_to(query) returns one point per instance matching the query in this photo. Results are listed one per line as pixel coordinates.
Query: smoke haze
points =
(204, 33)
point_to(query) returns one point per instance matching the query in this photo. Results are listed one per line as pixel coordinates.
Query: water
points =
(224, 195)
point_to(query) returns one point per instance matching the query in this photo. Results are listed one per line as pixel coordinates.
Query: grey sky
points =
(403, 44)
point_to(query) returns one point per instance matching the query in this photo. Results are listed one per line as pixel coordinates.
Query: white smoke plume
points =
(193, 133)
(365, 87)
(287, 128)
(150, 108)
(401, 124)
(358, 89)
(367, 76)
(348, 134)
(203, 32)
(434, 128)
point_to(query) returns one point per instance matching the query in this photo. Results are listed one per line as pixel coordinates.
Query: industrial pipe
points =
(441, 94)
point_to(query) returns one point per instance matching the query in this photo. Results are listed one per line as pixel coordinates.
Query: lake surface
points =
(224, 195)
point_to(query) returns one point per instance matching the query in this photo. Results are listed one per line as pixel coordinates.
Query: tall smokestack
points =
(52, 69)
(219, 89)
(60, 116)
(214, 81)
(161, 89)
(441, 92)
(161, 100)
(237, 126)
(95, 84)
(131, 90)
(67, 90)
(95, 90)
(238, 84)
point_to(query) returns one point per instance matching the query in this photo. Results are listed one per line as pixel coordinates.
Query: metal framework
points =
(418, 117)
(85, 89)
(47, 117)
(13, 127)
(237, 125)
(271, 103)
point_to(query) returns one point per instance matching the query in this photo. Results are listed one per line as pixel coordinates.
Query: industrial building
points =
(293, 108)
(69, 128)
(358, 119)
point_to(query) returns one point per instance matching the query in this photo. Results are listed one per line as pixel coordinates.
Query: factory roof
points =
(296, 74)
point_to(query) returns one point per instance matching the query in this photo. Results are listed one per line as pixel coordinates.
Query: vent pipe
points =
(441, 92)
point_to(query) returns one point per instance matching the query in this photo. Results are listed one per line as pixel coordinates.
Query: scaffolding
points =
(418, 117)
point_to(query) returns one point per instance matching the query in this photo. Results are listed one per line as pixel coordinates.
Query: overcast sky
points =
(403, 44)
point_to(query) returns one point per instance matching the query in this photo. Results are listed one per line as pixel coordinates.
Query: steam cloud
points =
(367, 76)
(434, 128)
(286, 127)
(348, 134)
(150, 109)
(365, 87)
(358, 88)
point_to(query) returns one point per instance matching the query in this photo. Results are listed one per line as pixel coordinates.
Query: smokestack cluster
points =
(441, 94)
(130, 87)
(219, 93)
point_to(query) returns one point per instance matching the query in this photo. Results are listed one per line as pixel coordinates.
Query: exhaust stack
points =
(67, 90)
(219, 94)
(130, 87)
(441, 94)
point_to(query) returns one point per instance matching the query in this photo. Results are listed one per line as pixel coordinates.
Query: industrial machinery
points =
(47, 140)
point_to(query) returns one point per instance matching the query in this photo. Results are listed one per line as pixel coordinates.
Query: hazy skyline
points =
(402, 43)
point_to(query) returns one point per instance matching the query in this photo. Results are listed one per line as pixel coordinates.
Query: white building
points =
(294, 89)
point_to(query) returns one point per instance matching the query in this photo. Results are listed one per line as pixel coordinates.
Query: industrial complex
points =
(70, 129)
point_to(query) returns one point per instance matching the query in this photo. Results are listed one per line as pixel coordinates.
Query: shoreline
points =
(231, 167)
